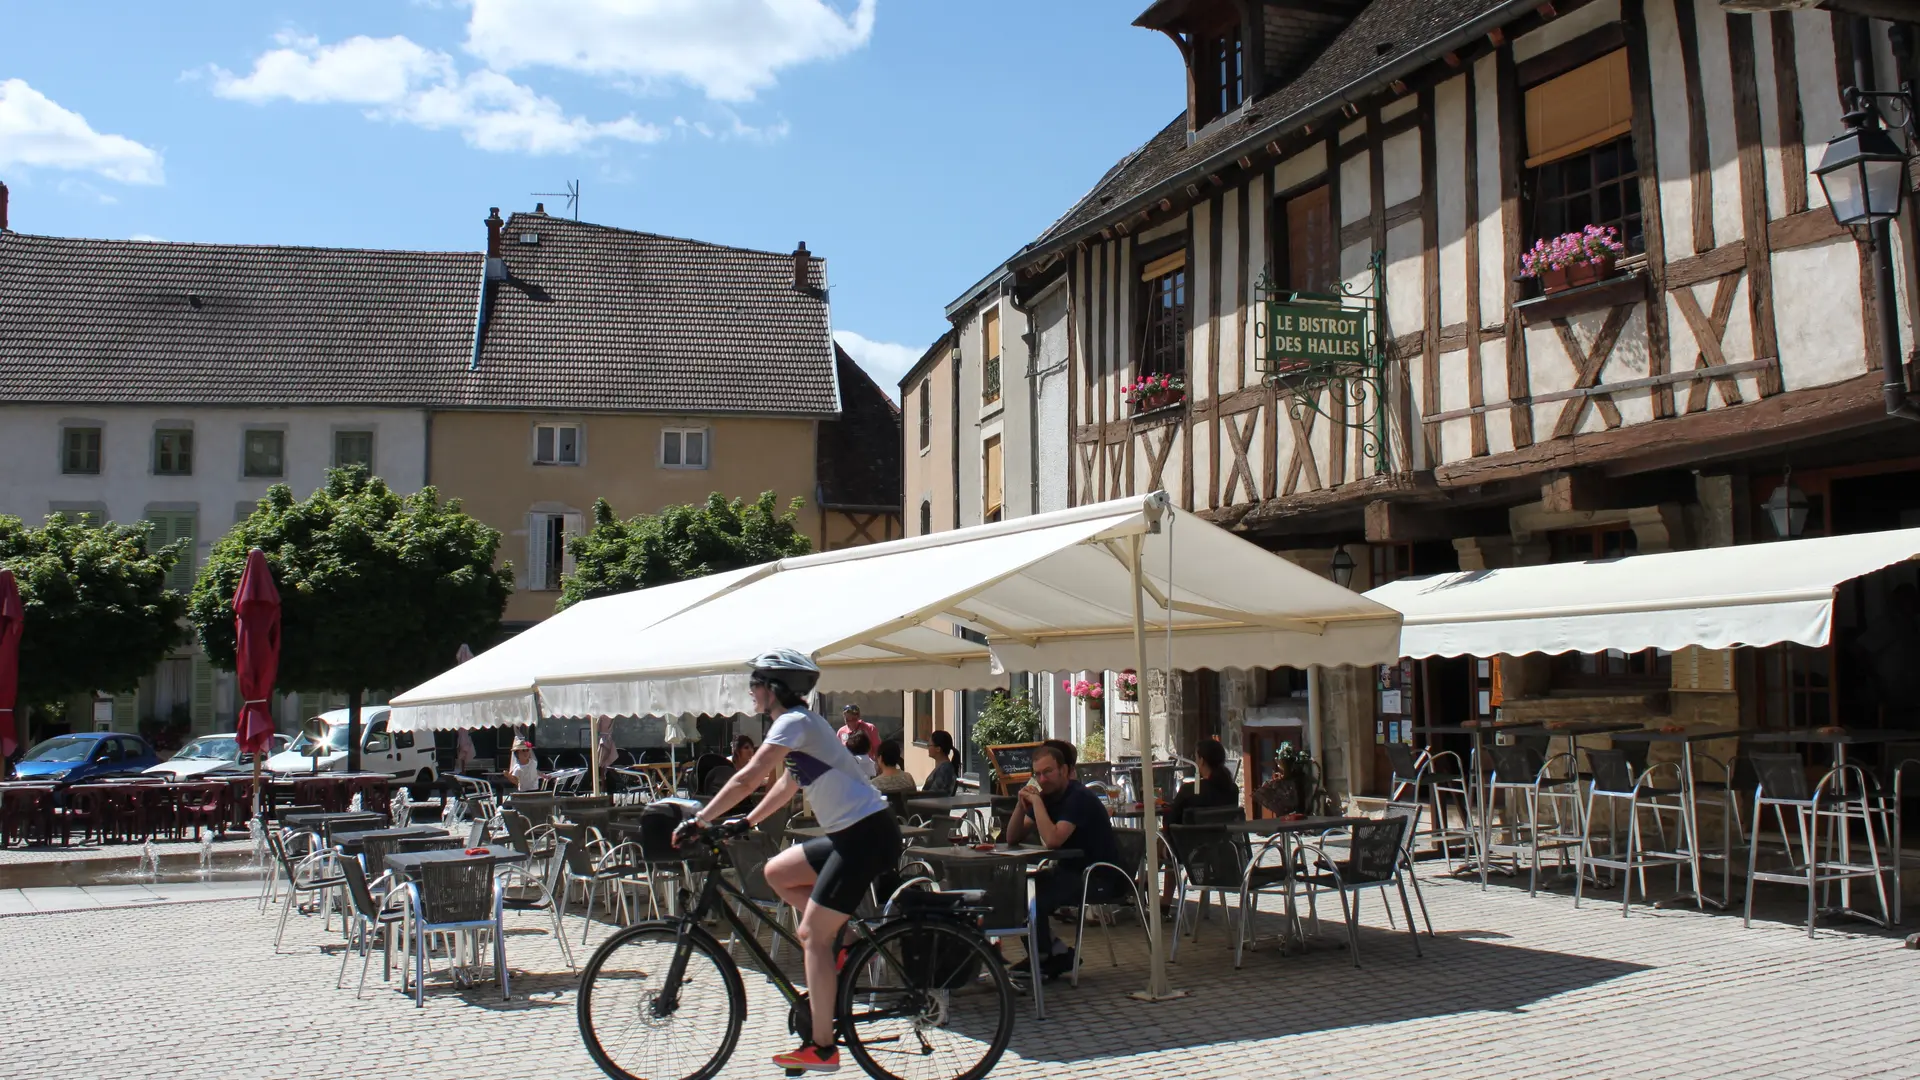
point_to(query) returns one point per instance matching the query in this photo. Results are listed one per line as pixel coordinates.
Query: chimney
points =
(3, 206)
(802, 281)
(493, 232)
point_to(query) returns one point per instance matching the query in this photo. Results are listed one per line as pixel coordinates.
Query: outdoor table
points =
(943, 803)
(1575, 731)
(1689, 806)
(312, 821)
(1288, 831)
(1839, 740)
(349, 842)
(404, 864)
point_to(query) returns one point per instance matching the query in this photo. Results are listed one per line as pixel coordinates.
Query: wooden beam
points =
(1659, 444)
(1804, 229)
(1430, 275)
(1512, 121)
(1568, 55)
(1786, 89)
(1671, 378)
(1652, 224)
(1587, 490)
(1753, 193)
(1699, 153)
(1709, 266)
(1476, 381)
(1399, 522)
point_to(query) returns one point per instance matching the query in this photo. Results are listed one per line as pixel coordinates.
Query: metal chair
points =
(1108, 885)
(372, 908)
(1838, 800)
(1010, 908)
(1211, 859)
(1522, 769)
(749, 855)
(318, 875)
(1615, 781)
(456, 898)
(523, 890)
(1432, 779)
(1374, 860)
(580, 866)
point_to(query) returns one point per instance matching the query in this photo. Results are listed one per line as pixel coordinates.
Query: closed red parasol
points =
(256, 627)
(13, 620)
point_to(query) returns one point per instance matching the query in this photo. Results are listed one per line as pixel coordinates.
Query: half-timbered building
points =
(1392, 162)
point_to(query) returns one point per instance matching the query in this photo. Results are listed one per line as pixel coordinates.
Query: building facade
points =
(1390, 164)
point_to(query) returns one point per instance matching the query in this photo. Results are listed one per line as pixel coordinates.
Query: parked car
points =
(85, 756)
(404, 754)
(213, 754)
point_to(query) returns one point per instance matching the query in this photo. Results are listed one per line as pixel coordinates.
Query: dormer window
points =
(1219, 75)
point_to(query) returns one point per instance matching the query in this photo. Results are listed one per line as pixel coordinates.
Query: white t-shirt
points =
(525, 775)
(836, 787)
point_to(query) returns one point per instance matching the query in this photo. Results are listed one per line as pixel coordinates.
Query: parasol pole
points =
(1157, 989)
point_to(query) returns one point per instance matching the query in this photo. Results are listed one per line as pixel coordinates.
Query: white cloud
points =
(148, 237)
(400, 81)
(35, 131)
(728, 49)
(884, 360)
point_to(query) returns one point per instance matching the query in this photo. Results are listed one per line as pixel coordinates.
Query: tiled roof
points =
(858, 454)
(602, 318)
(1383, 35)
(589, 318)
(126, 321)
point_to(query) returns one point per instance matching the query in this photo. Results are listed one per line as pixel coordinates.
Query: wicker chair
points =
(1010, 910)
(456, 897)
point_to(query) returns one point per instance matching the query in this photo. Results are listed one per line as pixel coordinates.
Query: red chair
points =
(201, 805)
(320, 791)
(88, 809)
(26, 813)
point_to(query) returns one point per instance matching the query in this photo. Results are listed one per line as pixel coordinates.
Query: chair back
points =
(1781, 776)
(1003, 880)
(1519, 763)
(1409, 812)
(1209, 854)
(357, 891)
(1131, 848)
(1375, 852)
(518, 837)
(1400, 758)
(374, 851)
(1613, 771)
(1093, 772)
(456, 891)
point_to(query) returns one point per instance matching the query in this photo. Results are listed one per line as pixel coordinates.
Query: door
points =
(376, 749)
(1313, 259)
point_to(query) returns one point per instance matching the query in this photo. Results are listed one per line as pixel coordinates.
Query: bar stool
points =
(1614, 781)
(1522, 769)
(1838, 800)
(1425, 778)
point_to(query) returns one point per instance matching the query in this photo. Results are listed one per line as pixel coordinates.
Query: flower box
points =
(1573, 260)
(1150, 392)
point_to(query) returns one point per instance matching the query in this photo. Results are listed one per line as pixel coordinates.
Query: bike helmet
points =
(786, 668)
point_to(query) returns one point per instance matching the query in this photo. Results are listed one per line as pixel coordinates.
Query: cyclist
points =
(825, 878)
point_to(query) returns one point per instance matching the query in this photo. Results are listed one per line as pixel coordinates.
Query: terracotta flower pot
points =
(1553, 281)
(1588, 273)
(1159, 399)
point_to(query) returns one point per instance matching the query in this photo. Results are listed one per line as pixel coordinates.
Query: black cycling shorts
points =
(849, 860)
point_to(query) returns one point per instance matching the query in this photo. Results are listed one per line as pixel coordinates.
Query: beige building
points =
(646, 370)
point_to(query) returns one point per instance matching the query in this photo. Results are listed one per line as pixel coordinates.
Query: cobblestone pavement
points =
(1511, 987)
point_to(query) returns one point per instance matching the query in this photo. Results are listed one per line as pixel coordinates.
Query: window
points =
(990, 349)
(171, 526)
(1309, 246)
(926, 413)
(266, 453)
(1219, 75)
(556, 444)
(993, 479)
(683, 448)
(1163, 333)
(926, 516)
(922, 717)
(353, 448)
(173, 452)
(1581, 168)
(548, 560)
(80, 451)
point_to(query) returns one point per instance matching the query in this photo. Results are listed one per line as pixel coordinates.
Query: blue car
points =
(90, 754)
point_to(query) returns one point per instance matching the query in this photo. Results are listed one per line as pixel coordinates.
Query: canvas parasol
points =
(256, 626)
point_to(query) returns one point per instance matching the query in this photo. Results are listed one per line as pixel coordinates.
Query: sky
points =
(913, 144)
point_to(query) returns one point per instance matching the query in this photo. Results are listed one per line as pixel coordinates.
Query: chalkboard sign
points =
(1012, 764)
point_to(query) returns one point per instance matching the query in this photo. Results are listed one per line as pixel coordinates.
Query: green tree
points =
(99, 614)
(1005, 720)
(678, 543)
(377, 591)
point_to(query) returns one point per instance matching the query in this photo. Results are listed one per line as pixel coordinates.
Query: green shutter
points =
(126, 712)
(204, 688)
(172, 525)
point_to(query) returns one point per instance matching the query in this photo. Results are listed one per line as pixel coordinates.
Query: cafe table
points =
(349, 842)
(1690, 807)
(320, 821)
(405, 864)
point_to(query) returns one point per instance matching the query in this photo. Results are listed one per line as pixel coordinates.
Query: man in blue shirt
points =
(1060, 812)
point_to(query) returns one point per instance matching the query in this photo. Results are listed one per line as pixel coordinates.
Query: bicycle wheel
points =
(631, 1034)
(925, 1000)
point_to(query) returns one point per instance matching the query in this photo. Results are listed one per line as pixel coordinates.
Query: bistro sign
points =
(1311, 335)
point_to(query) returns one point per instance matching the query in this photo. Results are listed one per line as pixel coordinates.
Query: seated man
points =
(1058, 811)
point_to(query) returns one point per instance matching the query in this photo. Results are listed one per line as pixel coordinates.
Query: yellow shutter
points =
(1585, 107)
(994, 479)
(990, 331)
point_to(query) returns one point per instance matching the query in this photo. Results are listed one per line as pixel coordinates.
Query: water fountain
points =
(357, 804)
(149, 862)
(257, 832)
(206, 857)
(402, 809)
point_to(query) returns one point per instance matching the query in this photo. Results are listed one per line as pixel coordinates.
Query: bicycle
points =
(663, 999)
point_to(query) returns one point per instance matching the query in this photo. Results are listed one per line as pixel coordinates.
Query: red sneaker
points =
(810, 1058)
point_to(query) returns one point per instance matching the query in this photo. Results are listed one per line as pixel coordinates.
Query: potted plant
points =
(1573, 259)
(1150, 392)
(1087, 691)
(1127, 685)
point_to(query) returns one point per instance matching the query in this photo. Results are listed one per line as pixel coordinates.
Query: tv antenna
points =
(572, 195)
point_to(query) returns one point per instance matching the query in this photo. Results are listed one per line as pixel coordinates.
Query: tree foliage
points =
(99, 615)
(377, 591)
(1005, 720)
(679, 542)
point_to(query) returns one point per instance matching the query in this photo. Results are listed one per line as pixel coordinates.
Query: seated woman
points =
(943, 780)
(893, 775)
(1214, 787)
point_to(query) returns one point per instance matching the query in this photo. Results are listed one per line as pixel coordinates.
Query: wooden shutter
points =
(994, 476)
(573, 524)
(990, 333)
(1313, 256)
(169, 526)
(205, 687)
(1583, 108)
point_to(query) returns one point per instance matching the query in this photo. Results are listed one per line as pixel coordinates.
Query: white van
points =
(406, 755)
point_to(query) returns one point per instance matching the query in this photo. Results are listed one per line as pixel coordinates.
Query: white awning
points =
(1715, 598)
(1052, 592)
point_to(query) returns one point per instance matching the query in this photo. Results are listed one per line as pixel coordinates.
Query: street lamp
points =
(1864, 172)
(1343, 566)
(1787, 508)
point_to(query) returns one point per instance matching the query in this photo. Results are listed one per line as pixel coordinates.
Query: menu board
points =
(1012, 764)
